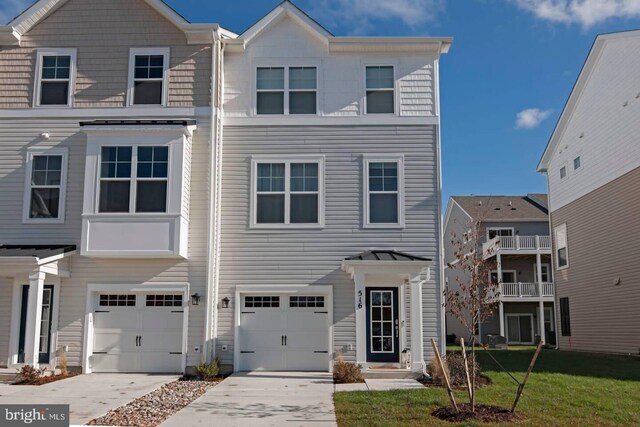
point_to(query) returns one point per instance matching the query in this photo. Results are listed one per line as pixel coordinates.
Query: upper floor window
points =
(288, 192)
(286, 90)
(148, 76)
(45, 189)
(493, 232)
(384, 189)
(380, 98)
(133, 179)
(577, 163)
(55, 74)
(563, 172)
(562, 256)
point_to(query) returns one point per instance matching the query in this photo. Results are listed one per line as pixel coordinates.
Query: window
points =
(261, 302)
(55, 75)
(508, 276)
(562, 256)
(117, 300)
(288, 192)
(493, 232)
(286, 90)
(563, 172)
(148, 186)
(44, 199)
(577, 163)
(164, 301)
(383, 192)
(546, 273)
(565, 321)
(148, 76)
(380, 97)
(306, 301)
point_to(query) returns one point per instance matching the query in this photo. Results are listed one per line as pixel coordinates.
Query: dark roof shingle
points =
(385, 255)
(504, 208)
(36, 251)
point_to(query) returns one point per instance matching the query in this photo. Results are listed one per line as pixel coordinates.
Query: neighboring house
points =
(515, 232)
(592, 164)
(177, 193)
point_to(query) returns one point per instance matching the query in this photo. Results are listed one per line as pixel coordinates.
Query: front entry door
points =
(383, 325)
(45, 324)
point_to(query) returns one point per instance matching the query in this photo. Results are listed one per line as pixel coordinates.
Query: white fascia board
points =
(138, 129)
(9, 36)
(435, 45)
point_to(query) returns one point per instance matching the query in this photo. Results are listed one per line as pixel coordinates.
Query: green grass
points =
(565, 389)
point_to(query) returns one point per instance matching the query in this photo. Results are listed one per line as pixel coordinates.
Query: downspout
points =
(209, 347)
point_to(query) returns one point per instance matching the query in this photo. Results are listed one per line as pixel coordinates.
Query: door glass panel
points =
(44, 322)
(526, 334)
(513, 329)
(382, 335)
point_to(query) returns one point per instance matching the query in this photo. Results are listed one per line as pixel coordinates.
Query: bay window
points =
(288, 192)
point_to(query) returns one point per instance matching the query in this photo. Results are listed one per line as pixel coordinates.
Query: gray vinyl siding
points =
(602, 230)
(6, 295)
(103, 32)
(314, 256)
(16, 136)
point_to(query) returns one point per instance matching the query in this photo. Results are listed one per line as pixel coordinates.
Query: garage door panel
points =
(107, 340)
(161, 341)
(306, 340)
(116, 362)
(263, 320)
(158, 362)
(262, 361)
(306, 361)
(116, 319)
(162, 319)
(307, 320)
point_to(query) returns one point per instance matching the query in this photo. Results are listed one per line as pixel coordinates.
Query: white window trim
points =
(561, 228)
(535, 272)
(133, 180)
(489, 229)
(286, 89)
(287, 160)
(73, 53)
(59, 151)
(552, 322)
(133, 52)
(515, 274)
(396, 91)
(566, 175)
(579, 155)
(384, 158)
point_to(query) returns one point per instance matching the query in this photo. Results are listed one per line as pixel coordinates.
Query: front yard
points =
(565, 388)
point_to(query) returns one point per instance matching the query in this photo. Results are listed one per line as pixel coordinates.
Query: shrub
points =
(208, 371)
(29, 374)
(454, 364)
(346, 372)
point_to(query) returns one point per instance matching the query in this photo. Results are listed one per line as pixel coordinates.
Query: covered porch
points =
(32, 276)
(388, 309)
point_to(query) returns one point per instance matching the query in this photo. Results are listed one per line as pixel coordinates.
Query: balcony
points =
(526, 290)
(516, 245)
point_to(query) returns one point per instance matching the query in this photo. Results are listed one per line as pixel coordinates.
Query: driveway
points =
(263, 399)
(90, 396)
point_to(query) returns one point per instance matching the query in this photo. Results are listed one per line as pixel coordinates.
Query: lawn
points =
(565, 389)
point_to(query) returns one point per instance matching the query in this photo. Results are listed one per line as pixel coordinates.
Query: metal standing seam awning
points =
(27, 258)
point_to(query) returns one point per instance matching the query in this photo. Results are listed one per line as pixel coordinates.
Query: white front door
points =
(138, 333)
(279, 332)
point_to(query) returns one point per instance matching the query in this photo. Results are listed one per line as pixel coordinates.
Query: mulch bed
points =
(45, 380)
(152, 409)
(483, 414)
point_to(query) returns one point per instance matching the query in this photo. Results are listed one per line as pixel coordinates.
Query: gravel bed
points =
(152, 409)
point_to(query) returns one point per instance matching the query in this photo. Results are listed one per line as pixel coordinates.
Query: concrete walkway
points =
(90, 396)
(381, 385)
(263, 399)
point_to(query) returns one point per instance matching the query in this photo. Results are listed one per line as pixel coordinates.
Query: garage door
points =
(284, 332)
(138, 333)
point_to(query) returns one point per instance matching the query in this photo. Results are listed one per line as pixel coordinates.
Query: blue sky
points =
(504, 83)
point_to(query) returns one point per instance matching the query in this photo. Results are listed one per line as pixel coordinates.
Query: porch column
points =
(34, 318)
(417, 352)
(540, 297)
(501, 306)
(361, 320)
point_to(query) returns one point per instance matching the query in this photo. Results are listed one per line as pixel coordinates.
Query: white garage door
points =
(284, 333)
(138, 333)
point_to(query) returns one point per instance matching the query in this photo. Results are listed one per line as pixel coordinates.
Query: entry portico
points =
(384, 279)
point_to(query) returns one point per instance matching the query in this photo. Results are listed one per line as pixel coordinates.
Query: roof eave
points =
(9, 36)
(435, 45)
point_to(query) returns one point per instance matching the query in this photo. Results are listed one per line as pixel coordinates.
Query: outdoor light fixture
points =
(195, 299)
(225, 302)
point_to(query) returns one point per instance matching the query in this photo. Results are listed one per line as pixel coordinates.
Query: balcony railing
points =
(516, 243)
(523, 289)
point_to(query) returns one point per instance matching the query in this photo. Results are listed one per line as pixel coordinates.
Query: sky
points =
(503, 84)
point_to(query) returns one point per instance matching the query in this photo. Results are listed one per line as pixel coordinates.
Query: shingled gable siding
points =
(601, 229)
(103, 32)
(301, 257)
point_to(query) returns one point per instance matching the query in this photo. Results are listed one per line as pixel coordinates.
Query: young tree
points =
(474, 297)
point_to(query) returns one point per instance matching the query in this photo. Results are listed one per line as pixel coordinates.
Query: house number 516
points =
(359, 299)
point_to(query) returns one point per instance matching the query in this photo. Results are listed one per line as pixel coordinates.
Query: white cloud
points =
(584, 12)
(361, 15)
(531, 118)
(9, 9)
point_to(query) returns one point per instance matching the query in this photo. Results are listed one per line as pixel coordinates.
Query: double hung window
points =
(45, 186)
(54, 83)
(286, 90)
(380, 96)
(383, 192)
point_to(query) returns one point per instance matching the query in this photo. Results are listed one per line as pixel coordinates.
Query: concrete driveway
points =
(90, 396)
(263, 399)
